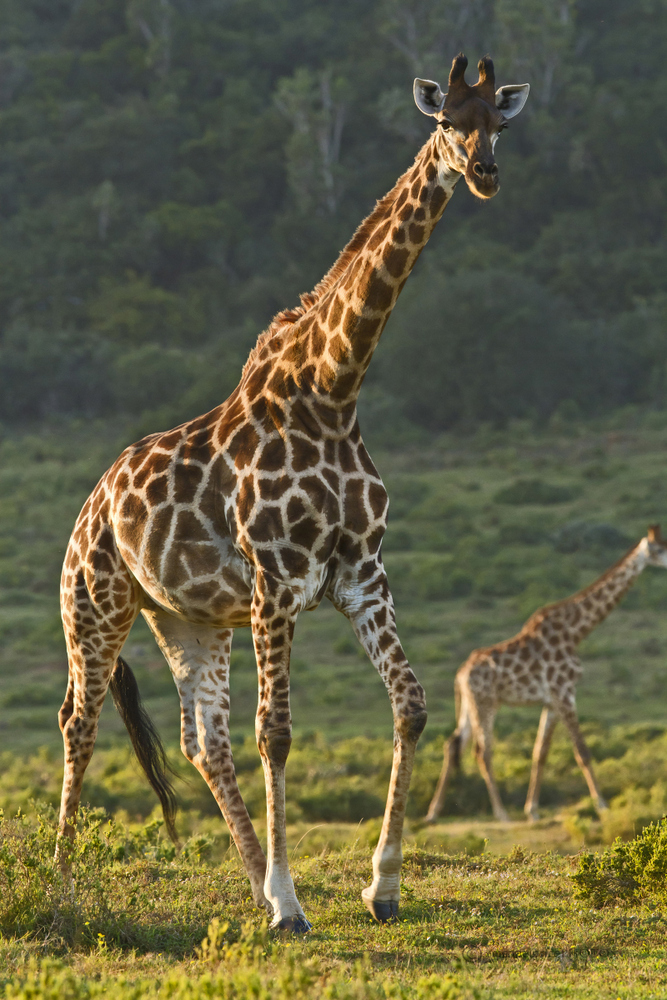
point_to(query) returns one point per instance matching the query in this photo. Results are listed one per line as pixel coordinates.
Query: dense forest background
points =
(174, 172)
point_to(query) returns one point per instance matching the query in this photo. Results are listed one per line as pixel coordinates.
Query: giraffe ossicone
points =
(539, 666)
(257, 510)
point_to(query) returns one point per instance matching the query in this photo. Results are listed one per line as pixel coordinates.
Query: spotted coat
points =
(540, 666)
(255, 511)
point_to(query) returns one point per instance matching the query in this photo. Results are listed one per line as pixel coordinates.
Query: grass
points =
(135, 918)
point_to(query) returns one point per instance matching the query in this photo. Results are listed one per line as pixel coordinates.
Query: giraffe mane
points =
(584, 590)
(288, 317)
(546, 609)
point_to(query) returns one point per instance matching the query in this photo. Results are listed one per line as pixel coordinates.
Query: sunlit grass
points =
(507, 926)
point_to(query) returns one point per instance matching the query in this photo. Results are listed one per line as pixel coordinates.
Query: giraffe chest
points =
(195, 534)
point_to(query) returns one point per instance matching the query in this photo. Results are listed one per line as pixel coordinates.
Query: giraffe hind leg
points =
(453, 749)
(93, 646)
(99, 602)
(198, 657)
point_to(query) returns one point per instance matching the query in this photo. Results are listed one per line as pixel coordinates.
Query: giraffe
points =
(255, 511)
(539, 665)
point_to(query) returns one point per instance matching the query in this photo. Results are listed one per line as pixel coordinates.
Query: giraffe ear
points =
(511, 99)
(428, 96)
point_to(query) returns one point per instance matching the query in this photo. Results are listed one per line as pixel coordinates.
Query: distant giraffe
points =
(260, 508)
(538, 666)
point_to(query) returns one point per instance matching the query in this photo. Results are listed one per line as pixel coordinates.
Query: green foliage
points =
(346, 781)
(628, 871)
(534, 491)
(172, 175)
(134, 923)
(251, 978)
(580, 535)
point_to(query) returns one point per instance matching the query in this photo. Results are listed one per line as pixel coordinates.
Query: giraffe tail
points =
(456, 738)
(145, 740)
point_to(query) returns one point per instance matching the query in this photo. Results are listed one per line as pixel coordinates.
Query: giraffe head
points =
(656, 547)
(470, 119)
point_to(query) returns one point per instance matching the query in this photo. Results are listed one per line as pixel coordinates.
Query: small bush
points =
(633, 871)
(578, 536)
(405, 493)
(527, 491)
(437, 577)
(523, 533)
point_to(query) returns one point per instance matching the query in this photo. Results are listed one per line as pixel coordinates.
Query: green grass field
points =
(133, 922)
(483, 529)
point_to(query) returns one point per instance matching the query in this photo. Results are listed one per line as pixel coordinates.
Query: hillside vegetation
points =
(171, 174)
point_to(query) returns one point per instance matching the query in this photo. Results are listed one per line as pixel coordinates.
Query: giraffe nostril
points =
(485, 170)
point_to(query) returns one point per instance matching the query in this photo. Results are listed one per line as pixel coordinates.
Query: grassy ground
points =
(509, 926)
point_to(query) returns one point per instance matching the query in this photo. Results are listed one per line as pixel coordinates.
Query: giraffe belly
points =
(216, 591)
(208, 583)
(524, 689)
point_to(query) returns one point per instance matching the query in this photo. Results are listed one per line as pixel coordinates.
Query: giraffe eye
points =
(445, 125)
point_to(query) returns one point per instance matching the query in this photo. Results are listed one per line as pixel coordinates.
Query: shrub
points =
(523, 533)
(405, 493)
(527, 491)
(630, 871)
(346, 801)
(437, 577)
(579, 535)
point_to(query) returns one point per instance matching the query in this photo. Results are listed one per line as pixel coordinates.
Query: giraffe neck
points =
(323, 354)
(596, 601)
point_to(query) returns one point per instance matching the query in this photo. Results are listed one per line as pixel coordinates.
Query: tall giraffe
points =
(256, 510)
(538, 666)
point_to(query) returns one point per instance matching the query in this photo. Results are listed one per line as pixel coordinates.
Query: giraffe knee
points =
(275, 745)
(65, 713)
(190, 747)
(79, 736)
(410, 727)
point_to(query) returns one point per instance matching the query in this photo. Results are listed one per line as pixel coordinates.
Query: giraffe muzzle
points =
(483, 178)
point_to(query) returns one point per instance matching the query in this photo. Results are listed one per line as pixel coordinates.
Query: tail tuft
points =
(145, 740)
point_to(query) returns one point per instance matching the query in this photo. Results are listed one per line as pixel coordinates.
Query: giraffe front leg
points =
(273, 616)
(548, 721)
(371, 612)
(568, 713)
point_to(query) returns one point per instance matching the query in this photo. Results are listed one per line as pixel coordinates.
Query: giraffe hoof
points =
(384, 910)
(292, 925)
